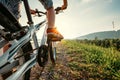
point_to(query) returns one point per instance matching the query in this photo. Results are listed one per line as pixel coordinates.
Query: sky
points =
(82, 16)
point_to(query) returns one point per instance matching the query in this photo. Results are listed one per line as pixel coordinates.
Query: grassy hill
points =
(102, 35)
(90, 62)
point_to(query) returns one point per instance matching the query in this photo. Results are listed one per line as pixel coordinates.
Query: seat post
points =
(27, 9)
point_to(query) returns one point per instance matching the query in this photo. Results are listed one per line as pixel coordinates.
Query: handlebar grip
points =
(65, 4)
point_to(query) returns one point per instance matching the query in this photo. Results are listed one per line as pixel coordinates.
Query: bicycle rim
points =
(52, 50)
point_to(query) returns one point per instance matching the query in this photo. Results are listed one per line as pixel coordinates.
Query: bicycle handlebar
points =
(40, 13)
(57, 10)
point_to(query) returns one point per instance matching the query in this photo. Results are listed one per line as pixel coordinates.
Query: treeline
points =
(104, 43)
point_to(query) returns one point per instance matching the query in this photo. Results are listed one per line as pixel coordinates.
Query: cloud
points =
(110, 1)
(88, 1)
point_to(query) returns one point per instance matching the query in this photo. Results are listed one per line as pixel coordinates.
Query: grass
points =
(93, 62)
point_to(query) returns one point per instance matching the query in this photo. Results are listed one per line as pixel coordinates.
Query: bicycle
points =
(21, 52)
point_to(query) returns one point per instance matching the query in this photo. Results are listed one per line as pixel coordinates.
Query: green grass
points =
(96, 62)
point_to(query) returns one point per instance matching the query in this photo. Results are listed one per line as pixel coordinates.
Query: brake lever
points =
(39, 13)
(58, 9)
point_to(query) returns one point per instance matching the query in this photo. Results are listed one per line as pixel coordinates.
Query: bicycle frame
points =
(8, 57)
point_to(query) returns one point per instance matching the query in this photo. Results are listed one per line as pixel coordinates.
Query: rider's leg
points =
(51, 17)
(51, 31)
(14, 7)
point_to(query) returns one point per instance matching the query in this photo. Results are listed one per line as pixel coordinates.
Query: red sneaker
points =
(54, 35)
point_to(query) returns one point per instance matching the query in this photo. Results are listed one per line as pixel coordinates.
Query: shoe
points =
(54, 35)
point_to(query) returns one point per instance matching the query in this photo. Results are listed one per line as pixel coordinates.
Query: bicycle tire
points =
(52, 52)
(42, 57)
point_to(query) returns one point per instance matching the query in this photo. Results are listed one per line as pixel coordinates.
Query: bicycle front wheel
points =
(52, 50)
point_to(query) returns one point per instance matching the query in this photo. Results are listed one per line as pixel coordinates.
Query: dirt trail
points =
(60, 71)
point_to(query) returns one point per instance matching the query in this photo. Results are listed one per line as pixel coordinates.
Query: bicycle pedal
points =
(54, 39)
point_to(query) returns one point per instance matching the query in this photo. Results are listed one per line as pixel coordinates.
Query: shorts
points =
(47, 3)
(14, 5)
